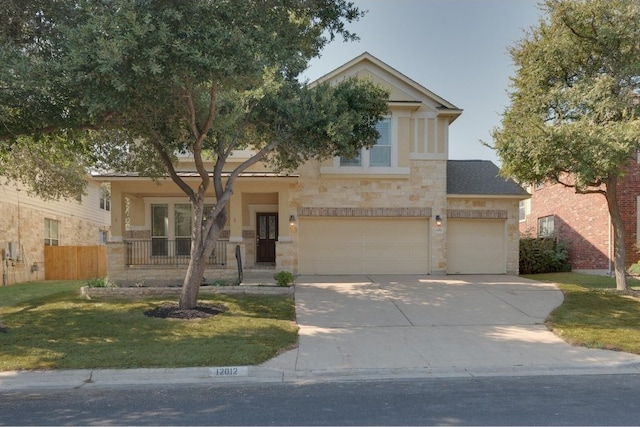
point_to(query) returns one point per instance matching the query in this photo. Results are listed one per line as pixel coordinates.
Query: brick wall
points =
(582, 220)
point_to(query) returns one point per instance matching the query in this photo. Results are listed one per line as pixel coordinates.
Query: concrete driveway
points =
(452, 324)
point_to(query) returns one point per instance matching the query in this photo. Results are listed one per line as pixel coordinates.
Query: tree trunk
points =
(192, 281)
(202, 247)
(619, 249)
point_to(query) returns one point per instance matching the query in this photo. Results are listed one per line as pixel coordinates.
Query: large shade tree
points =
(574, 106)
(127, 85)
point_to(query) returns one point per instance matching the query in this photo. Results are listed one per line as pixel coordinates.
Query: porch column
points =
(286, 227)
(117, 213)
(235, 231)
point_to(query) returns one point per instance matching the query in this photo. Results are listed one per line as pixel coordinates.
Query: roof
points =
(480, 177)
(107, 176)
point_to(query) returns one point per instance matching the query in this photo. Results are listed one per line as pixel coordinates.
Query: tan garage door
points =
(363, 245)
(476, 246)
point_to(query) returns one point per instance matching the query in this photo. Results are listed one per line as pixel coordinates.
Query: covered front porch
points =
(151, 229)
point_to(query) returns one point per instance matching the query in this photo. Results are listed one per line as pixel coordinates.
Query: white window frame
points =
(524, 209)
(51, 238)
(365, 159)
(105, 199)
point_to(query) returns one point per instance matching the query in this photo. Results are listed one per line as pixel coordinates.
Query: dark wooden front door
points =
(267, 231)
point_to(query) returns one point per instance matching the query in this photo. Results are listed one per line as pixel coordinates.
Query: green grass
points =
(50, 326)
(592, 314)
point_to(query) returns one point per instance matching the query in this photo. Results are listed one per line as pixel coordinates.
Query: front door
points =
(267, 231)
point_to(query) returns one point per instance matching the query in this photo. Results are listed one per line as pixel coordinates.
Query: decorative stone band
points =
(476, 214)
(364, 212)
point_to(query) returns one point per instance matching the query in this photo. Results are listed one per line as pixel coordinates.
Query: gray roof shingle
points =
(480, 177)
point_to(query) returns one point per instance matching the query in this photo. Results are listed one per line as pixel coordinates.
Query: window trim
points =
(49, 239)
(548, 231)
(365, 156)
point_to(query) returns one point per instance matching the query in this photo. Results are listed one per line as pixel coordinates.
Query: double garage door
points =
(364, 245)
(398, 246)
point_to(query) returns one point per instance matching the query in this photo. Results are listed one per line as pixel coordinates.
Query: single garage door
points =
(476, 246)
(364, 245)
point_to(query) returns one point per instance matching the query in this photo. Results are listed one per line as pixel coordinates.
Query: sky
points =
(457, 49)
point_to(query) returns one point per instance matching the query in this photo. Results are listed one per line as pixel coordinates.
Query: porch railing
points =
(159, 251)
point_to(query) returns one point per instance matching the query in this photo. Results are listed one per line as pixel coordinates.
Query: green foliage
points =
(574, 106)
(542, 255)
(101, 282)
(129, 84)
(49, 326)
(574, 115)
(284, 278)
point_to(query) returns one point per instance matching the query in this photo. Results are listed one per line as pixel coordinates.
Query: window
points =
(159, 230)
(103, 237)
(546, 226)
(351, 161)
(379, 155)
(51, 232)
(183, 229)
(524, 209)
(105, 199)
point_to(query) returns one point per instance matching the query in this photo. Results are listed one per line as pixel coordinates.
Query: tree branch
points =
(172, 171)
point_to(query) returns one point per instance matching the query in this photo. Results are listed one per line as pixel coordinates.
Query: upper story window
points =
(379, 155)
(524, 209)
(105, 199)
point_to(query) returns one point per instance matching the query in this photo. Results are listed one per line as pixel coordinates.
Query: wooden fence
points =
(75, 262)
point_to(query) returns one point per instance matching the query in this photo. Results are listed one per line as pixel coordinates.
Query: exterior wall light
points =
(438, 220)
(292, 220)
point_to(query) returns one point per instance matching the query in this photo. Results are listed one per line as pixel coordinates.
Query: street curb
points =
(99, 378)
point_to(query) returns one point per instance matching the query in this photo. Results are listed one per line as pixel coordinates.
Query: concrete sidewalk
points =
(383, 327)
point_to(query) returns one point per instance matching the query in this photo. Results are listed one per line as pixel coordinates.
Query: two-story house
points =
(30, 223)
(399, 207)
(582, 221)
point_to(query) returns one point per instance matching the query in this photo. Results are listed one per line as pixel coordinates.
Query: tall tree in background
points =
(126, 85)
(574, 107)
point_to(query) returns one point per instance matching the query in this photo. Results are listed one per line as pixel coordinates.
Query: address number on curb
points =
(230, 371)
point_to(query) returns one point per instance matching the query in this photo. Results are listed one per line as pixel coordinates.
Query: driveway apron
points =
(450, 323)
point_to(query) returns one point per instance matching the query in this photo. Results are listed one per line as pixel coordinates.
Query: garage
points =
(476, 246)
(364, 245)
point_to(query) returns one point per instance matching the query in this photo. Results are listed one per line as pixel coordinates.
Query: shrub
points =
(101, 282)
(543, 255)
(284, 278)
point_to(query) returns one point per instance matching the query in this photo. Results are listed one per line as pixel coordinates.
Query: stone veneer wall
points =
(25, 226)
(420, 193)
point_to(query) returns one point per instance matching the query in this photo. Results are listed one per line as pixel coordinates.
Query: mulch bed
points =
(175, 312)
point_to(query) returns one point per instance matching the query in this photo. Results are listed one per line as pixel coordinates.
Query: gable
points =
(403, 90)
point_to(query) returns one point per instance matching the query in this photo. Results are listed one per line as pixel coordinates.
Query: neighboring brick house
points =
(582, 221)
(29, 223)
(401, 207)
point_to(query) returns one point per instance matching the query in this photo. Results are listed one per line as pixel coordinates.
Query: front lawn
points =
(48, 325)
(593, 314)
